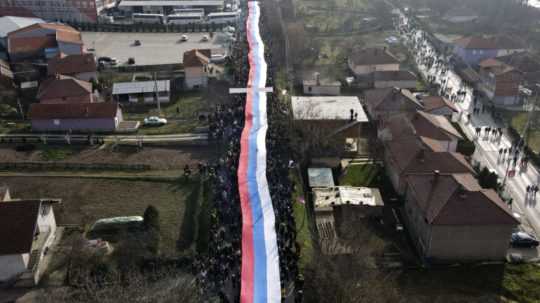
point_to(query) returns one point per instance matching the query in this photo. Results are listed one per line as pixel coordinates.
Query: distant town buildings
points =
(57, 10)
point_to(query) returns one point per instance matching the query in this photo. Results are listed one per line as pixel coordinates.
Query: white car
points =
(184, 38)
(155, 121)
(205, 38)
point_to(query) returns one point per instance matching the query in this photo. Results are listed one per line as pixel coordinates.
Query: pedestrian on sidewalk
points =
(500, 152)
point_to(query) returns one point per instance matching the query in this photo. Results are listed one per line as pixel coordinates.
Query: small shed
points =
(145, 91)
(352, 202)
(320, 177)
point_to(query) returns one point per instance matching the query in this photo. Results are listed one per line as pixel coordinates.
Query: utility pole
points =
(156, 94)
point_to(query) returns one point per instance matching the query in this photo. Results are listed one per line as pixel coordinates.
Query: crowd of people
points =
(220, 271)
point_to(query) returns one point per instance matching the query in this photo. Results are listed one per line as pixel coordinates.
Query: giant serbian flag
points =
(260, 280)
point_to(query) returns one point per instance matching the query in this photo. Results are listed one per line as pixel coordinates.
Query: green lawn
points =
(361, 175)
(303, 234)
(517, 120)
(468, 283)
(181, 113)
(86, 200)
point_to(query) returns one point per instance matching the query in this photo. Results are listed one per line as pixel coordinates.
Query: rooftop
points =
(370, 56)
(320, 177)
(476, 42)
(121, 88)
(73, 110)
(10, 23)
(124, 3)
(327, 108)
(63, 86)
(347, 195)
(72, 64)
(18, 221)
(400, 75)
(458, 199)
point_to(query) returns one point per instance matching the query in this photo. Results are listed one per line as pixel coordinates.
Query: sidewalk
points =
(487, 151)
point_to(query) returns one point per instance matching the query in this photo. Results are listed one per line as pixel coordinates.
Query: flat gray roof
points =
(327, 108)
(122, 88)
(171, 3)
(11, 23)
(320, 177)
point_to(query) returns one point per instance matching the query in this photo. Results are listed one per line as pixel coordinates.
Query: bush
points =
(466, 147)
(151, 218)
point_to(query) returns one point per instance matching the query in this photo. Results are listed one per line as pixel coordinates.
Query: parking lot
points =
(155, 48)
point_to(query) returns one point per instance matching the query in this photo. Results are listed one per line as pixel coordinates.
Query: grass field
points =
(303, 234)
(486, 283)
(84, 201)
(181, 113)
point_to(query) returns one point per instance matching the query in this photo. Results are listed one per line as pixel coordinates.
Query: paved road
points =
(487, 148)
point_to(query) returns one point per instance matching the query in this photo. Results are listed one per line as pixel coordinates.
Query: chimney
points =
(352, 114)
(436, 174)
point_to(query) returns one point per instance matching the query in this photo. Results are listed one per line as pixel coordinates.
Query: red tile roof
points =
(372, 56)
(30, 44)
(73, 110)
(72, 64)
(17, 226)
(377, 98)
(458, 199)
(64, 33)
(63, 86)
(476, 42)
(432, 103)
(197, 57)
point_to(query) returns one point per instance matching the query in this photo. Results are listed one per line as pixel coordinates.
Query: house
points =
(526, 64)
(408, 156)
(80, 117)
(474, 49)
(434, 131)
(508, 45)
(382, 103)
(82, 67)
(500, 82)
(144, 91)
(400, 79)
(7, 85)
(64, 89)
(9, 24)
(43, 41)
(437, 105)
(460, 15)
(368, 60)
(27, 230)
(196, 66)
(321, 87)
(341, 117)
(451, 218)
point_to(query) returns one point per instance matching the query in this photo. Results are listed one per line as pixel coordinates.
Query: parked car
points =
(131, 61)
(154, 121)
(523, 239)
(137, 43)
(107, 60)
(184, 38)
(205, 38)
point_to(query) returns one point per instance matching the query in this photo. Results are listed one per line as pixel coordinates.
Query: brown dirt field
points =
(84, 201)
(162, 158)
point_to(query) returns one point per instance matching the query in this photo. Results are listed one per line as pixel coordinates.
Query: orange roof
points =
(72, 64)
(53, 26)
(476, 42)
(63, 86)
(30, 44)
(197, 57)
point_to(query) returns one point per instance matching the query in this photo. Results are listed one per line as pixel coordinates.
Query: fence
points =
(149, 28)
(72, 166)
